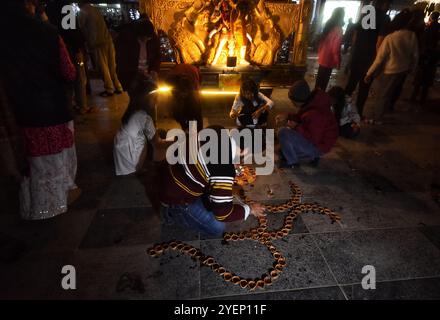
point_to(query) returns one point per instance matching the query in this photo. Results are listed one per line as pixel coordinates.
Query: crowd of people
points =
(46, 72)
(381, 57)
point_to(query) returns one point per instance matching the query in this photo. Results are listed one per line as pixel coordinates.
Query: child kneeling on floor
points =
(130, 143)
(312, 131)
(346, 114)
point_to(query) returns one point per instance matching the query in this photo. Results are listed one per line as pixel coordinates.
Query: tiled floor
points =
(380, 184)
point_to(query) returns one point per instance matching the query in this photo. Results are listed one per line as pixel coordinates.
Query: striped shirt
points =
(184, 183)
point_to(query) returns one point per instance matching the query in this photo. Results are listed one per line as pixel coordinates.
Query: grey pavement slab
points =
(415, 289)
(269, 188)
(432, 233)
(131, 226)
(416, 209)
(357, 211)
(305, 265)
(33, 278)
(274, 222)
(125, 192)
(129, 273)
(395, 254)
(316, 181)
(95, 161)
(93, 191)
(32, 239)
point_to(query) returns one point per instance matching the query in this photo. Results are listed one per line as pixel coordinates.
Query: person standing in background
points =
(99, 40)
(137, 52)
(363, 52)
(348, 35)
(429, 58)
(329, 51)
(36, 68)
(397, 56)
(74, 40)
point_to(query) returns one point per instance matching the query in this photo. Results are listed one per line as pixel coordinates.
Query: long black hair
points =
(338, 97)
(337, 19)
(401, 20)
(186, 104)
(138, 91)
(250, 85)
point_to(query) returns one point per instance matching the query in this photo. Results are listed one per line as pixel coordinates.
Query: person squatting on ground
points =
(396, 58)
(37, 67)
(363, 52)
(198, 194)
(310, 133)
(329, 51)
(251, 108)
(100, 44)
(346, 114)
(137, 129)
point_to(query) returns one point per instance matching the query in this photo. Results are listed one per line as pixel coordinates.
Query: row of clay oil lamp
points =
(260, 234)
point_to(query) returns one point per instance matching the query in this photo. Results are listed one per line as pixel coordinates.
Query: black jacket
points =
(30, 61)
(127, 55)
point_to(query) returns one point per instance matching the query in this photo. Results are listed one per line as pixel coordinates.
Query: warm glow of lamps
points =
(218, 93)
(209, 92)
(162, 89)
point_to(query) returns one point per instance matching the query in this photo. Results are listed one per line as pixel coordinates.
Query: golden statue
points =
(210, 31)
(267, 39)
(189, 34)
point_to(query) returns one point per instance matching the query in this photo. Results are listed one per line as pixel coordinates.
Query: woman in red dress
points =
(37, 70)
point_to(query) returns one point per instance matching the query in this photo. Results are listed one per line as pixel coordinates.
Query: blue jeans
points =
(193, 216)
(295, 147)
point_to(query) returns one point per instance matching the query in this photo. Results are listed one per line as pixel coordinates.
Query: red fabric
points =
(68, 71)
(318, 123)
(47, 140)
(190, 71)
(329, 52)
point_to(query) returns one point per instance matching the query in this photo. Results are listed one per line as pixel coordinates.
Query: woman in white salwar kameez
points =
(130, 143)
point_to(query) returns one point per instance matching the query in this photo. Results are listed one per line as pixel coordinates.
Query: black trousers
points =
(323, 77)
(356, 77)
(246, 119)
(348, 132)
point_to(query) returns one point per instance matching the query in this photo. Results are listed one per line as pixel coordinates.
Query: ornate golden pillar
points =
(301, 36)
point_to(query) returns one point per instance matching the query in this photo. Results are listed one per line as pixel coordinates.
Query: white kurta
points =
(130, 141)
(238, 104)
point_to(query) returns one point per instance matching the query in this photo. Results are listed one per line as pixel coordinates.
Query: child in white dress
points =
(345, 113)
(130, 143)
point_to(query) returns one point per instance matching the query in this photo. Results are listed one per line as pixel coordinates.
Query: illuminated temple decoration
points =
(210, 31)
